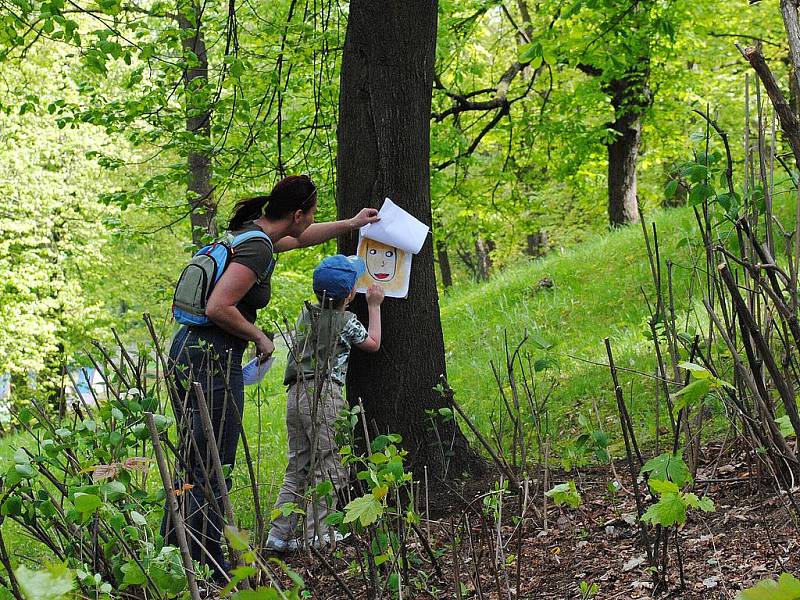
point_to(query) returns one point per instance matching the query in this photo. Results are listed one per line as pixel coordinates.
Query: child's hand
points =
(374, 295)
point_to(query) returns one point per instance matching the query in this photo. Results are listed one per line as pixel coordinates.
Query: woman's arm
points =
(322, 232)
(235, 282)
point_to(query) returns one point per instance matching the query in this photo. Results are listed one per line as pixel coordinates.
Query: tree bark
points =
(623, 206)
(198, 123)
(443, 257)
(537, 244)
(384, 151)
(483, 258)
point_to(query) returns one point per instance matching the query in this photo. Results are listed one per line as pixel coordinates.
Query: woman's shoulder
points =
(255, 253)
(256, 242)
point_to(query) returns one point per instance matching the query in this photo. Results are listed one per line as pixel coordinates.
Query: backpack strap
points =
(258, 234)
(249, 235)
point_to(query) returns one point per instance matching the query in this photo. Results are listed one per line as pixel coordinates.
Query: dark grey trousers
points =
(213, 358)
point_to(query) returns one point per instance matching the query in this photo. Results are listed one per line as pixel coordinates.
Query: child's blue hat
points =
(336, 276)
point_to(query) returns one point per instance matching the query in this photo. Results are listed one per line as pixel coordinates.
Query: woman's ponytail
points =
(246, 210)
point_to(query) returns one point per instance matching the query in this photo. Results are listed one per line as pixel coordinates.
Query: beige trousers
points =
(313, 458)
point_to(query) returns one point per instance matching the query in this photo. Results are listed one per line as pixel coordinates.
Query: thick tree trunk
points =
(198, 122)
(383, 137)
(623, 205)
(443, 257)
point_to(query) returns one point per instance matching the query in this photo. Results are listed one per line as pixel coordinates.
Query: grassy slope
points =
(596, 293)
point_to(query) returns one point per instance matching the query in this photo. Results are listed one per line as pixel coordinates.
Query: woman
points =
(212, 355)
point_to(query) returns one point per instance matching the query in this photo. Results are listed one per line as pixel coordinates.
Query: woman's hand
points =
(364, 217)
(265, 348)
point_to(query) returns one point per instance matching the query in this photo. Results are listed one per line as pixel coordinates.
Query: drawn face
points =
(381, 261)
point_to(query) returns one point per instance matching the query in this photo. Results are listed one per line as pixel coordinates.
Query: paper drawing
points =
(388, 266)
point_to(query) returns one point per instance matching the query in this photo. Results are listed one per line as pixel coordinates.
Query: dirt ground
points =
(752, 535)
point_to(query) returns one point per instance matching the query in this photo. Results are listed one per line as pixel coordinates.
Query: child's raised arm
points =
(374, 299)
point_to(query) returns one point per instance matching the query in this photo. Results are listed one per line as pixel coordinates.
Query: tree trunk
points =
(444, 264)
(198, 123)
(623, 206)
(537, 244)
(383, 138)
(483, 258)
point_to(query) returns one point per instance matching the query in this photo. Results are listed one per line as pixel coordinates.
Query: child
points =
(315, 374)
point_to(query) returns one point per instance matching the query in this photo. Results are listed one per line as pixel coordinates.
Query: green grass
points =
(595, 293)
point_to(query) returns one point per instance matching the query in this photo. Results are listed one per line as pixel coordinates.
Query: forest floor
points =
(752, 535)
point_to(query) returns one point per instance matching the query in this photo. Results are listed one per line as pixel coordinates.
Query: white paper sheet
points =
(397, 228)
(253, 372)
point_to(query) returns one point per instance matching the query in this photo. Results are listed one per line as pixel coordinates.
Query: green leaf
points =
(662, 486)
(671, 189)
(87, 503)
(365, 510)
(167, 571)
(528, 52)
(378, 458)
(12, 506)
(53, 583)
(132, 574)
(237, 68)
(538, 341)
(700, 193)
(786, 588)
(669, 510)
(239, 539)
(573, 9)
(544, 363)
(324, 488)
(446, 413)
(334, 518)
(688, 396)
(395, 468)
(113, 489)
(25, 471)
(237, 575)
(260, 593)
(668, 467)
(697, 173)
(785, 425)
(565, 493)
(705, 503)
(730, 202)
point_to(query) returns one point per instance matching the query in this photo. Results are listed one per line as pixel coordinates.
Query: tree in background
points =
(383, 136)
(155, 126)
(530, 108)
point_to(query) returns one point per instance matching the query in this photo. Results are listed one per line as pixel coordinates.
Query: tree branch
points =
(786, 115)
(486, 129)
(462, 104)
(744, 37)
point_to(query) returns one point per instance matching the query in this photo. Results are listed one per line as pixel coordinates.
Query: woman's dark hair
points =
(296, 192)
